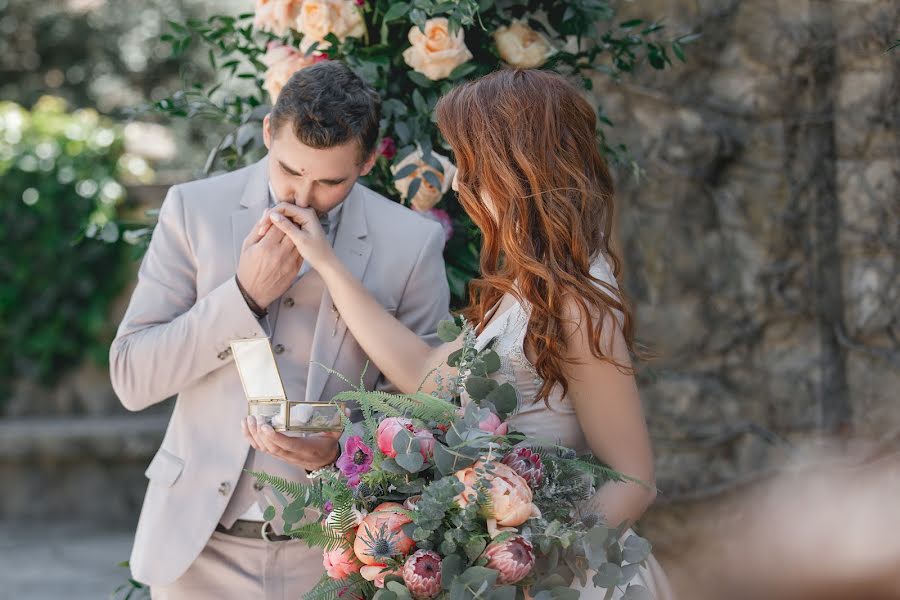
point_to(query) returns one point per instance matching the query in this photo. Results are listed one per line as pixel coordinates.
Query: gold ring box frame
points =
(266, 398)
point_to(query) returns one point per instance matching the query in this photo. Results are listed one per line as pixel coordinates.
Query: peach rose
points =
(276, 16)
(436, 53)
(521, 46)
(427, 195)
(282, 62)
(510, 494)
(340, 563)
(318, 18)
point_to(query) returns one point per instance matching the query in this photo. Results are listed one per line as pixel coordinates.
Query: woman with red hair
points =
(531, 177)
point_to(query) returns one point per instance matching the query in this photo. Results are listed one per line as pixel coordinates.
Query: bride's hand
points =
(303, 228)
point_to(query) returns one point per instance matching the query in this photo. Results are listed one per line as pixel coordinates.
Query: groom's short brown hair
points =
(327, 105)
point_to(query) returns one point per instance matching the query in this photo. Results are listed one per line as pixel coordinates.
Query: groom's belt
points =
(253, 529)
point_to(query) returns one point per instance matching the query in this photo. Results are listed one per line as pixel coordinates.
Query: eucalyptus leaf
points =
(636, 549)
(504, 397)
(607, 575)
(480, 387)
(637, 592)
(448, 331)
(411, 461)
(451, 567)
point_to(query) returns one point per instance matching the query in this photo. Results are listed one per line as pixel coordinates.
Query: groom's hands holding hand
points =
(268, 264)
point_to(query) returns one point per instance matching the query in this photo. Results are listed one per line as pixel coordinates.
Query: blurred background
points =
(760, 237)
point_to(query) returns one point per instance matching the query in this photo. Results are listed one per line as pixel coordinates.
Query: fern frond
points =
(335, 589)
(295, 490)
(316, 534)
(423, 407)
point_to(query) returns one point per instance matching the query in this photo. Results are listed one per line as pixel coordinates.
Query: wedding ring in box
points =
(266, 398)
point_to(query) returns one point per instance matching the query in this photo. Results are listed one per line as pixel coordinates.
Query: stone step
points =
(87, 468)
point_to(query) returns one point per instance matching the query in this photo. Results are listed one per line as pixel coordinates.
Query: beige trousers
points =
(244, 568)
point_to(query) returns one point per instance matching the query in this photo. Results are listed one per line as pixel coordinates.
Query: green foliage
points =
(59, 175)
(585, 37)
(336, 589)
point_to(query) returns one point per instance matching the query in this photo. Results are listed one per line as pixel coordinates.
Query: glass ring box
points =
(266, 398)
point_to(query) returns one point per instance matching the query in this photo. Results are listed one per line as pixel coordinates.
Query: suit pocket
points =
(164, 468)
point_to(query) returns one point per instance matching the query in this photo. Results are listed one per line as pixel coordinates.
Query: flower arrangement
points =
(438, 499)
(411, 52)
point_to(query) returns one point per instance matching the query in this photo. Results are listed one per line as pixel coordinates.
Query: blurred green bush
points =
(60, 185)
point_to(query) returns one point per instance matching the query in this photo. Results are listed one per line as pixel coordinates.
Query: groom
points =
(209, 277)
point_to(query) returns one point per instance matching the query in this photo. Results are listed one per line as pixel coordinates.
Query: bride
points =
(531, 177)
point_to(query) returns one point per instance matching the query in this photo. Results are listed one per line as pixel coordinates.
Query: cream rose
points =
(427, 195)
(282, 62)
(436, 53)
(276, 16)
(318, 18)
(521, 46)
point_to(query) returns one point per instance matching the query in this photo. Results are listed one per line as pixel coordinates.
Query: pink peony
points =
(422, 574)
(493, 425)
(511, 498)
(390, 427)
(340, 563)
(513, 558)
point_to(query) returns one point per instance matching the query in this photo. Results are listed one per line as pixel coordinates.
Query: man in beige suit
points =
(209, 277)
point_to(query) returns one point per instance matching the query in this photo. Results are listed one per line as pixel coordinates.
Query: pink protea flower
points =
(422, 574)
(355, 461)
(527, 464)
(390, 427)
(513, 558)
(387, 148)
(340, 563)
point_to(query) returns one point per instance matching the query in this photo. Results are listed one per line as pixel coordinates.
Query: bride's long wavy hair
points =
(526, 141)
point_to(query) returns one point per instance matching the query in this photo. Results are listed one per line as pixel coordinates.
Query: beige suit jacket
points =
(186, 309)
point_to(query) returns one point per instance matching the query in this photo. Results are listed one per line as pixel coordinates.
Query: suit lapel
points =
(353, 249)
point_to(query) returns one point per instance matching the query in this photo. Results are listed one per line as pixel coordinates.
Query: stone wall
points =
(761, 241)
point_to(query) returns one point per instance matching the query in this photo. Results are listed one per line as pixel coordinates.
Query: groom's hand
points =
(311, 452)
(268, 264)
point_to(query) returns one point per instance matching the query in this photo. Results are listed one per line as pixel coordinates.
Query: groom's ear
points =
(367, 166)
(267, 131)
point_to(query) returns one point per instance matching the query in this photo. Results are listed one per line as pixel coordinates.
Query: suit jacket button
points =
(289, 302)
(258, 486)
(224, 488)
(279, 349)
(223, 355)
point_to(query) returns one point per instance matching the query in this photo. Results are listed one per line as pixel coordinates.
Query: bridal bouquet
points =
(431, 499)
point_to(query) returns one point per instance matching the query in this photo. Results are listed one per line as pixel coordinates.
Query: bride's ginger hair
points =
(526, 140)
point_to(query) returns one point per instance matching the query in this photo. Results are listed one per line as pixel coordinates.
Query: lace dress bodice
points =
(558, 423)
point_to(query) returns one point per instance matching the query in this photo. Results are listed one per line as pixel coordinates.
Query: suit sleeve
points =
(426, 299)
(168, 337)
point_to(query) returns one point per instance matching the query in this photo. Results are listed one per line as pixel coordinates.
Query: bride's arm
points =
(612, 419)
(404, 358)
